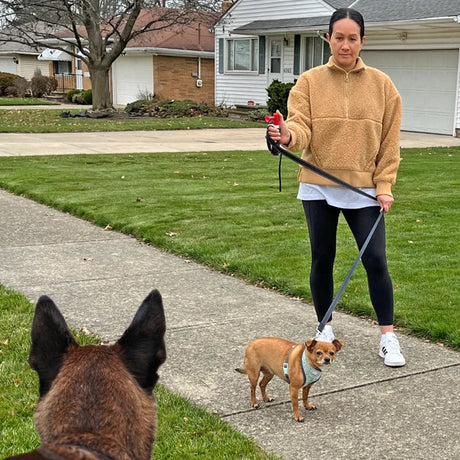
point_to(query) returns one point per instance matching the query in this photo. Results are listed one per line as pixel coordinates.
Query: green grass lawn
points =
(48, 121)
(23, 101)
(223, 209)
(184, 430)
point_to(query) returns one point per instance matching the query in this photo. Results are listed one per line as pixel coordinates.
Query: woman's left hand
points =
(385, 202)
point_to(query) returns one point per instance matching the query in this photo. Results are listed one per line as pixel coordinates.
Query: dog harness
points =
(310, 374)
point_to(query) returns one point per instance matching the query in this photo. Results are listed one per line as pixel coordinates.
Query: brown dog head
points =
(98, 397)
(322, 352)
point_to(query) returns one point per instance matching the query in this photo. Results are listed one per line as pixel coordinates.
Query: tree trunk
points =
(101, 87)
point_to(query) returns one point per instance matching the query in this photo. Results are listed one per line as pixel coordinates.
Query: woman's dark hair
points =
(347, 13)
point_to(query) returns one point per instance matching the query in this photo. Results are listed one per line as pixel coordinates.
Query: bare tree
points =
(97, 31)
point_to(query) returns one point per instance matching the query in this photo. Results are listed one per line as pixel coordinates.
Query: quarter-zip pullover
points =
(346, 123)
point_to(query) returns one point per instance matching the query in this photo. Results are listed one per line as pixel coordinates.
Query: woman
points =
(346, 118)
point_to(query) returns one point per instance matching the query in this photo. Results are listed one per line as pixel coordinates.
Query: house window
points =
(242, 55)
(317, 52)
(62, 67)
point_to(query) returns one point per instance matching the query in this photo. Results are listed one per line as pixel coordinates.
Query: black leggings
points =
(322, 222)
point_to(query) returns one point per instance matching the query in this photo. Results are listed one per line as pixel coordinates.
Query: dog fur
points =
(268, 354)
(96, 402)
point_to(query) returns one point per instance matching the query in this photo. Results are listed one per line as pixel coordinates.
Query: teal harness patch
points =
(310, 374)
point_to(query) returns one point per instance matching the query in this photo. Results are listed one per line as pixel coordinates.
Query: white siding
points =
(29, 64)
(246, 11)
(231, 89)
(457, 124)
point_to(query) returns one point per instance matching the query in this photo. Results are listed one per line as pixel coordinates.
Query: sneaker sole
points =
(398, 364)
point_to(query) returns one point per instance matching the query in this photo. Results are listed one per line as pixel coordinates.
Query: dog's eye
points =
(319, 353)
(331, 353)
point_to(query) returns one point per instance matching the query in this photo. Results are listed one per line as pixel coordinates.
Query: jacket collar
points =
(359, 65)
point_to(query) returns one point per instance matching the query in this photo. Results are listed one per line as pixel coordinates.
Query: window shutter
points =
(297, 55)
(262, 54)
(221, 55)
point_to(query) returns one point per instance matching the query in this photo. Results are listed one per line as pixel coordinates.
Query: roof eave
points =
(324, 27)
(169, 52)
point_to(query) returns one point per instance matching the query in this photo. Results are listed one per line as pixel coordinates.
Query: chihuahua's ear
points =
(338, 344)
(310, 344)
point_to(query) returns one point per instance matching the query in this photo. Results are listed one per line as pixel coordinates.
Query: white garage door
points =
(132, 75)
(7, 65)
(426, 81)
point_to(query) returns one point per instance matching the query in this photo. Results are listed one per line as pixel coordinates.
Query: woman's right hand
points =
(282, 135)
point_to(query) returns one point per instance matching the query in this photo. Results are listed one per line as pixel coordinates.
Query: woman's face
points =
(345, 43)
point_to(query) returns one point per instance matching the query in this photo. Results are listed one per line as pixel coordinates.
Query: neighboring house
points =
(417, 43)
(21, 60)
(174, 63)
(69, 71)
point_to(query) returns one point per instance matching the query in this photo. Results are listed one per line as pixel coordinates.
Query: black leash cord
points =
(276, 149)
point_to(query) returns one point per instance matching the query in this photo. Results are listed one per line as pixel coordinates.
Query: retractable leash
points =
(276, 149)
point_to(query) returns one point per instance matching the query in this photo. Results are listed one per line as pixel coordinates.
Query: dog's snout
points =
(327, 360)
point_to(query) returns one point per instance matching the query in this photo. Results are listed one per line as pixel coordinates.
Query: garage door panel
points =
(8, 65)
(427, 82)
(133, 75)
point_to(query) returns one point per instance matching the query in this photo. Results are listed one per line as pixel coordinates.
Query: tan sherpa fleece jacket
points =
(346, 123)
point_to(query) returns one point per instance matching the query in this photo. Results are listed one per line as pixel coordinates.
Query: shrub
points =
(42, 86)
(258, 114)
(173, 109)
(87, 96)
(22, 86)
(6, 81)
(12, 85)
(77, 98)
(140, 106)
(278, 94)
(69, 95)
(179, 108)
(11, 91)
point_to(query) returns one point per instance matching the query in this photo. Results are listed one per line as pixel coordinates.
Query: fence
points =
(68, 81)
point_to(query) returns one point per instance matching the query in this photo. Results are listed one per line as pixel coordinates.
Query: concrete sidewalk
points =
(365, 410)
(18, 144)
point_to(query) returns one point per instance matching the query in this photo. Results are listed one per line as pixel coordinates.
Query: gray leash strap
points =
(347, 279)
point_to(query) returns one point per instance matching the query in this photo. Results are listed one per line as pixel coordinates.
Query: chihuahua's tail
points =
(241, 370)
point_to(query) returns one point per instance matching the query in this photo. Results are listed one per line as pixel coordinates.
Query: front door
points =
(275, 62)
(78, 74)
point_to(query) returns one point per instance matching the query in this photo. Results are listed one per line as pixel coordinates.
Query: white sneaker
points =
(327, 335)
(391, 351)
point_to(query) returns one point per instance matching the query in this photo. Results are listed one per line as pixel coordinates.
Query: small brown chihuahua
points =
(299, 364)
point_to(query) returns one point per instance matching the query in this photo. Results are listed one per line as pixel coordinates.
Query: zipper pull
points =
(347, 79)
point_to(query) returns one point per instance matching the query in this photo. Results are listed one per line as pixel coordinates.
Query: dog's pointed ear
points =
(310, 344)
(50, 339)
(143, 343)
(338, 344)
